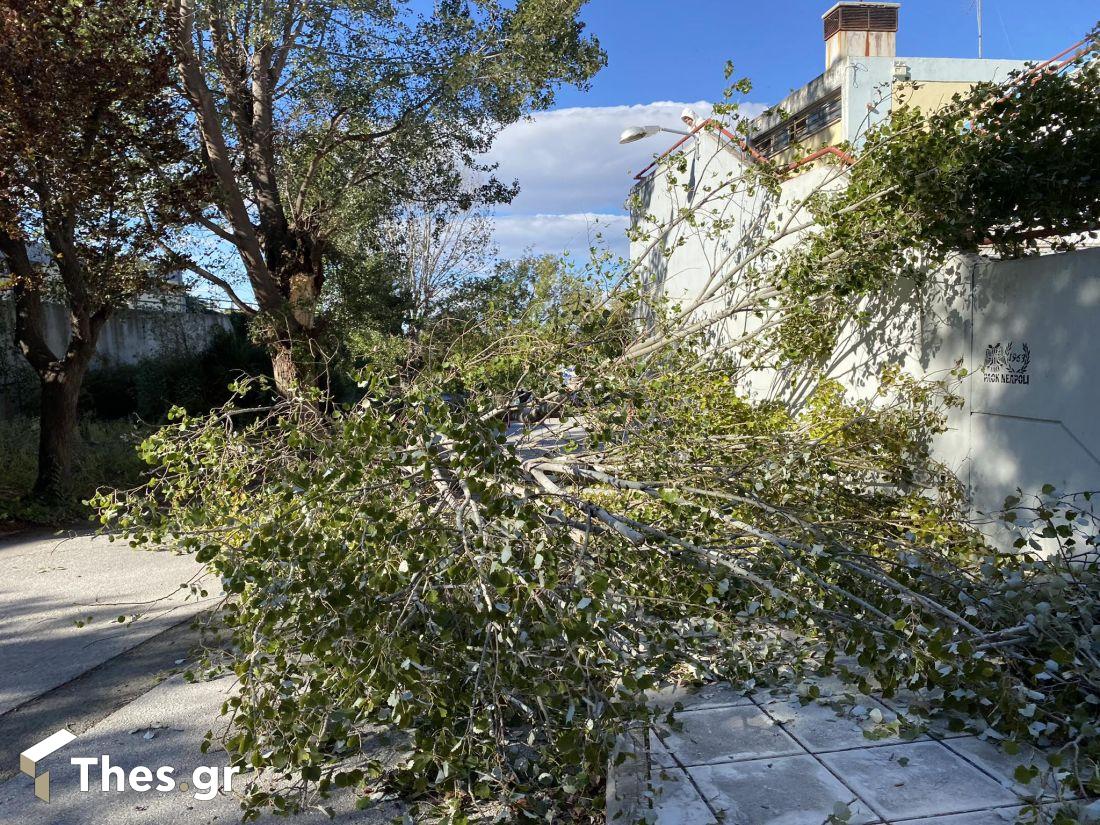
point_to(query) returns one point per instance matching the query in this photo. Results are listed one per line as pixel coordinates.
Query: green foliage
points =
(446, 80)
(149, 388)
(363, 294)
(85, 118)
(504, 595)
(491, 328)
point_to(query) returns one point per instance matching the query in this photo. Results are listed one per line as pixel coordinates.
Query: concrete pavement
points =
(115, 685)
(162, 728)
(49, 584)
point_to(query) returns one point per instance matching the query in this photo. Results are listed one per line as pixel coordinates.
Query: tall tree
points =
(87, 119)
(310, 112)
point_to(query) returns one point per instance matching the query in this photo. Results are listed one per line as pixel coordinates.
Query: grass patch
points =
(105, 454)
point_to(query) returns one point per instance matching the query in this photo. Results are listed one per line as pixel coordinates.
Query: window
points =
(799, 126)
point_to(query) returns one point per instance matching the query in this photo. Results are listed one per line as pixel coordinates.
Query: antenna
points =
(979, 2)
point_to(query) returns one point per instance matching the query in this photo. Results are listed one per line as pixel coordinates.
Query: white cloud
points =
(570, 161)
(571, 169)
(554, 234)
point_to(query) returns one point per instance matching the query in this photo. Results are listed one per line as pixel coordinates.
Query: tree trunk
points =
(57, 429)
(286, 369)
(60, 378)
(297, 360)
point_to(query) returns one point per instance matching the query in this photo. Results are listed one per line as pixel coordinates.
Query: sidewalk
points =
(164, 727)
(776, 759)
(115, 685)
(48, 584)
(768, 759)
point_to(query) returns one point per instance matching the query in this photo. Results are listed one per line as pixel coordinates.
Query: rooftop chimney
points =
(854, 29)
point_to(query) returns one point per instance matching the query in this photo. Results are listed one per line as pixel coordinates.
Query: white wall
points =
(1019, 427)
(1034, 420)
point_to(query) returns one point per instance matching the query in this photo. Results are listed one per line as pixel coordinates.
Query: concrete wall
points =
(129, 336)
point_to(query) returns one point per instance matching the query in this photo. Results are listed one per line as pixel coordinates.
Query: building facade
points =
(1020, 327)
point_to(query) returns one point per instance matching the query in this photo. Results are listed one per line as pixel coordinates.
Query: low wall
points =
(129, 336)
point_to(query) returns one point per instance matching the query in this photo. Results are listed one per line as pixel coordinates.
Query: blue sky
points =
(663, 54)
(676, 49)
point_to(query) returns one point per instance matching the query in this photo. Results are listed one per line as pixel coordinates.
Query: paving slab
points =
(48, 583)
(164, 727)
(726, 734)
(662, 795)
(659, 754)
(783, 760)
(925, 708)
(671, 799)
(822, 727)
(918, 779)
(994, 760)
(692, 696)
(790, 790)
(996, 816)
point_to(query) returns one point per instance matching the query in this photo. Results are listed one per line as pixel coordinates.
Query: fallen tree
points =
(504, 593)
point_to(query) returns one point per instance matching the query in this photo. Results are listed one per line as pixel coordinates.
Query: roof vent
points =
(862, 17)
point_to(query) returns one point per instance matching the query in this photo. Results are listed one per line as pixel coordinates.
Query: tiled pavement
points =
(772, 760)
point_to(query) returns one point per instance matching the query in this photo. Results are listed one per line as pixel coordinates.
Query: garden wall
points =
(129, 336)
(1025, 330)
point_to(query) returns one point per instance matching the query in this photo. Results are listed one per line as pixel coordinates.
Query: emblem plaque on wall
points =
(1007, 363)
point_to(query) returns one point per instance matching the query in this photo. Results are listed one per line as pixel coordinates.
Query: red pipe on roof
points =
(844, 157)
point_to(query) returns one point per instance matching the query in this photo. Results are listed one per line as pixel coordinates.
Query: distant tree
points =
(87, 131)
(440, 250)
(312, 115)
(391, 276)
(519, 304)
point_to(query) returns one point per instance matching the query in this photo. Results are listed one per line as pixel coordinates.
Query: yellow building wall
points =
(928, 96)
(829, 136)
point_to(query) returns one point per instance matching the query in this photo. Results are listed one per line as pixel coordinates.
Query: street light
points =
(639, 132)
